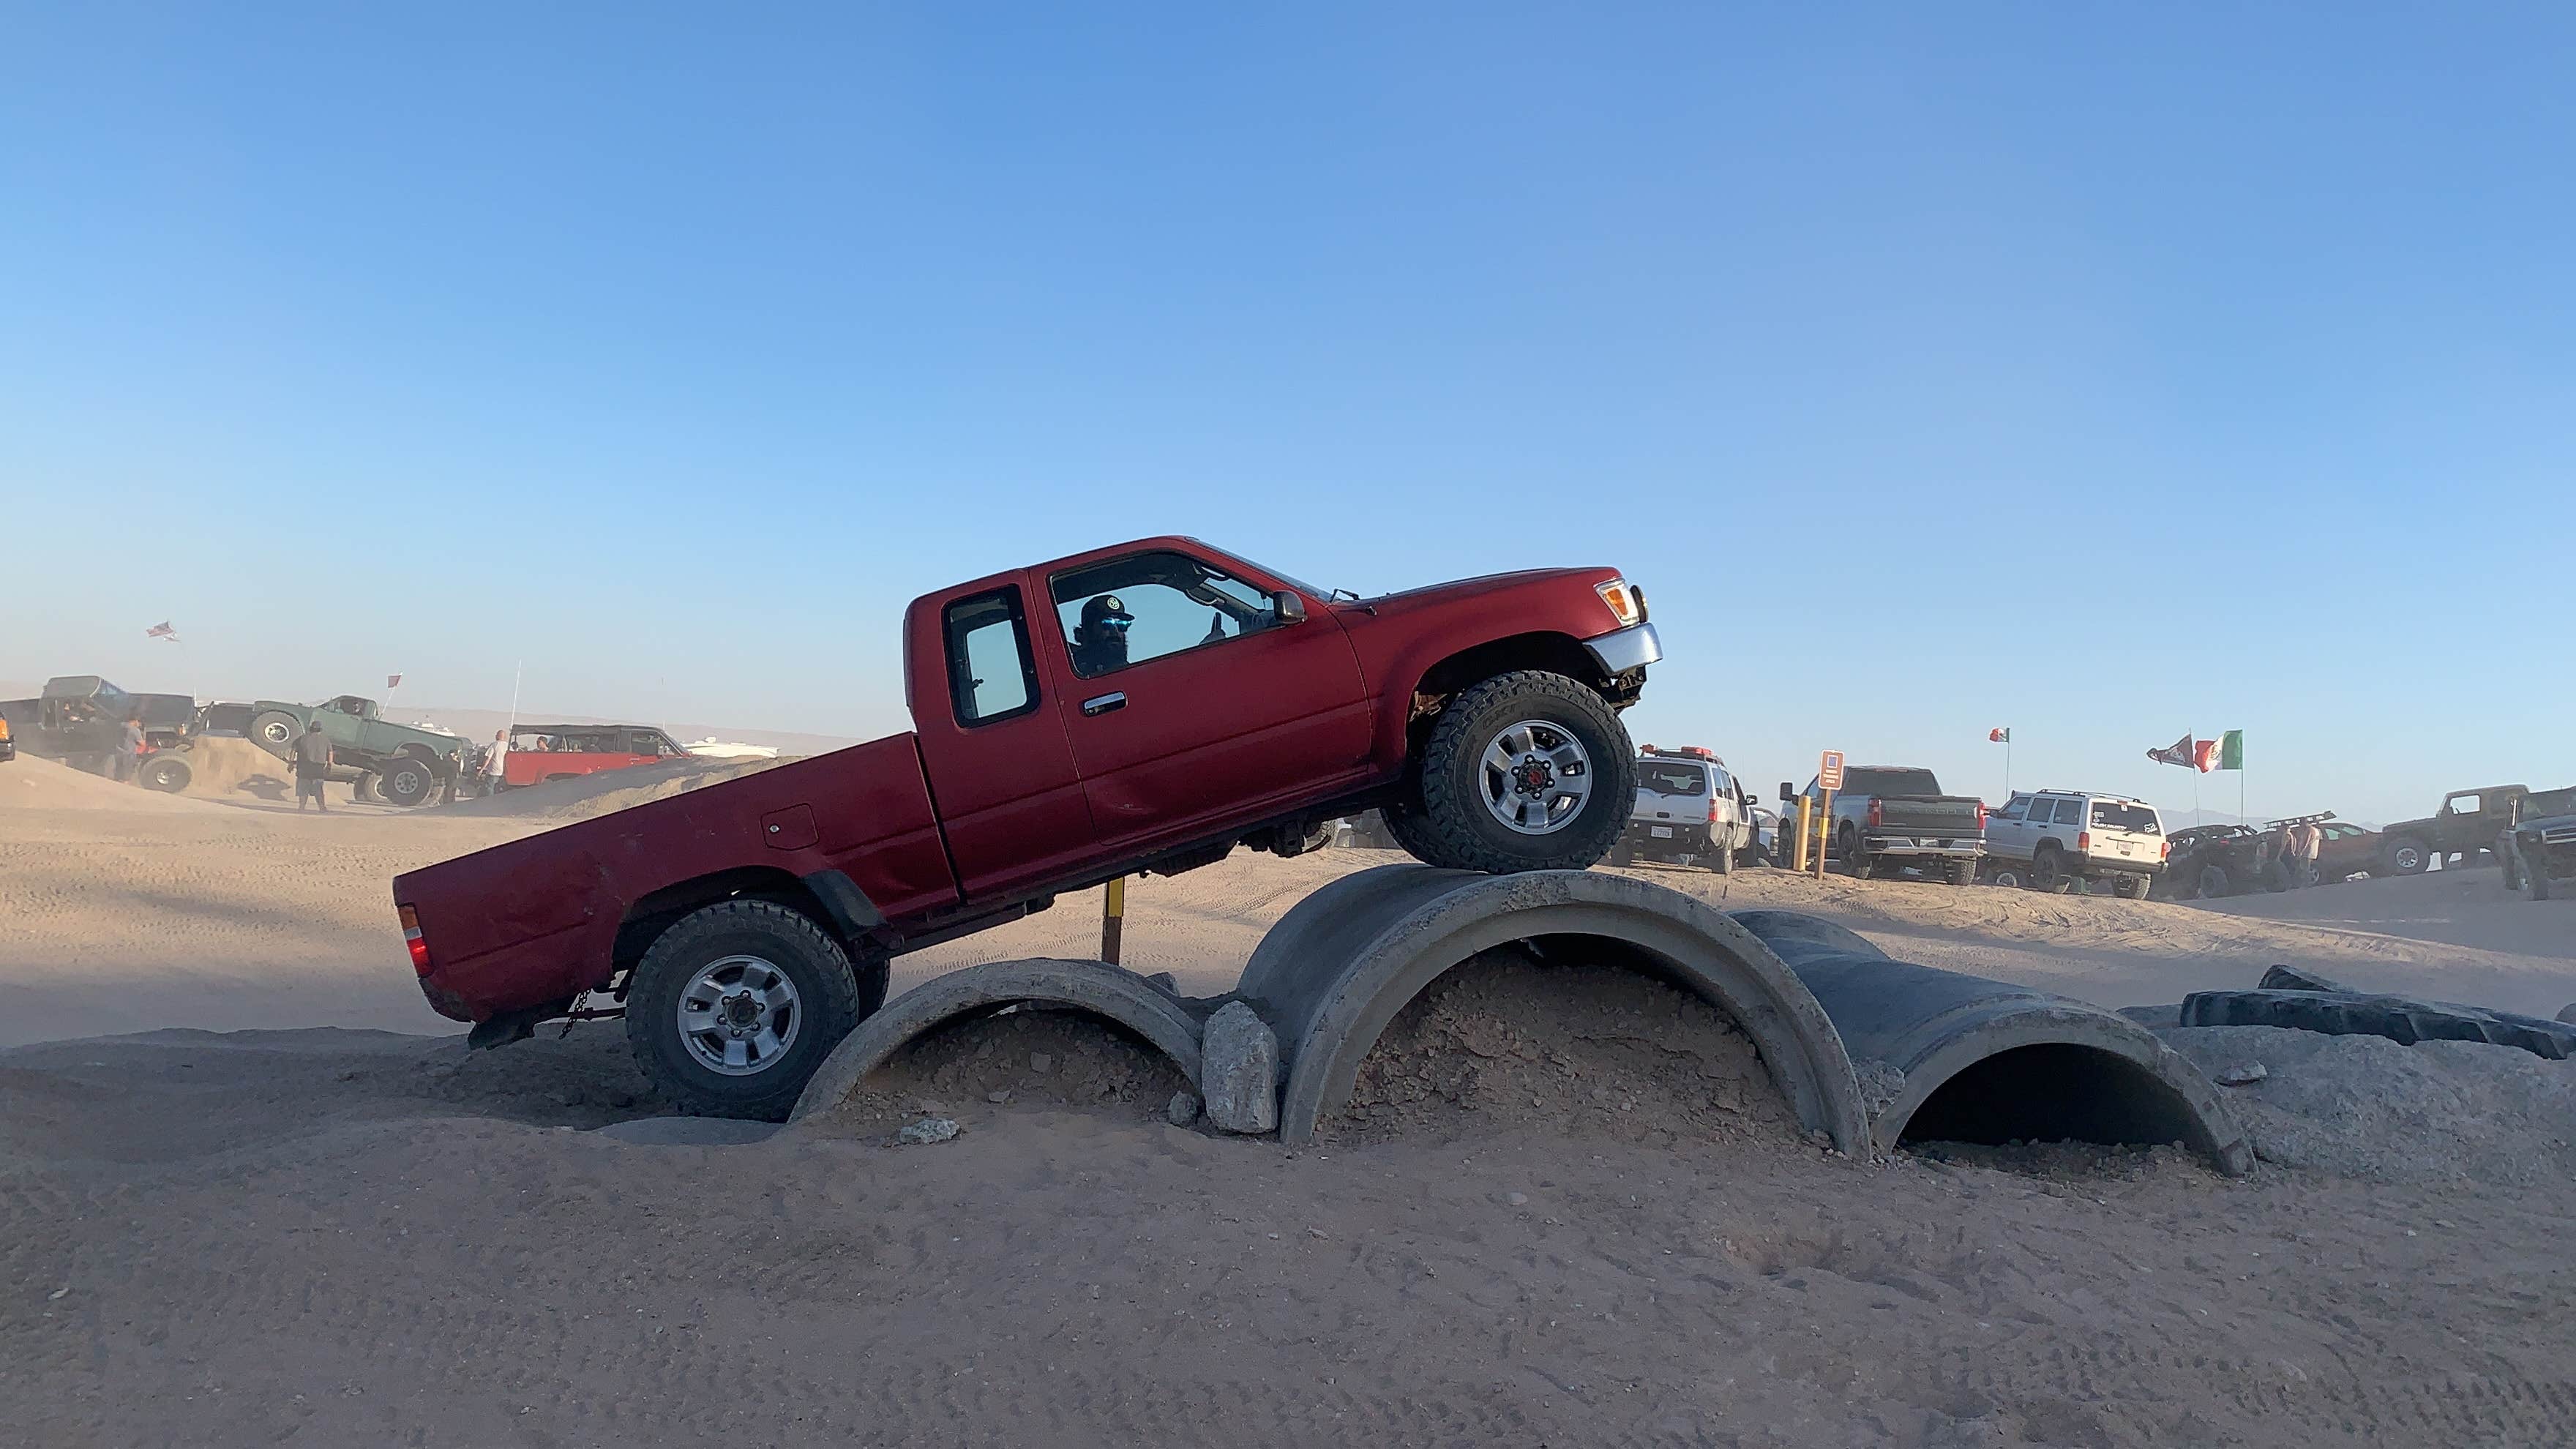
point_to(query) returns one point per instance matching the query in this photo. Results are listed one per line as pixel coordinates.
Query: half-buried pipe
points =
(1339, 966)
(1946, 1057)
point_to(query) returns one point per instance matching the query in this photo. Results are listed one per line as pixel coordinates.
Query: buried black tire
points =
(166, 773)
(1524, 771)
(407, 780)
(734, 1008)
(2048, 872)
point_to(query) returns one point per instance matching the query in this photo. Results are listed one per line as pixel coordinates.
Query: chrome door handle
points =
(1104, 704)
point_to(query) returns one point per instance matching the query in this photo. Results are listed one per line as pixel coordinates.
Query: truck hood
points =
(1409, 599)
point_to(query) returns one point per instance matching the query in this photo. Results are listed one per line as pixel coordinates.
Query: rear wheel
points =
(2213, 883)
(1524, 771)
(1963, 872)
(2010, 875)
(167, 773)
(365, 791)
(407, 780)
(2130, 887)
(734, 1008)
(1725, 861)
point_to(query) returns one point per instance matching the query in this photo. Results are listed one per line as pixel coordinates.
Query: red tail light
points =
(2083, 840)
(413, 941)
(1981, 815)
(1873, 814)
(2164, 850)
(1712, 810)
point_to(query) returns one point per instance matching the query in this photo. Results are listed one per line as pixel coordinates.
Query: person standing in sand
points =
(494, 759)
(128, 754)
(312, 762)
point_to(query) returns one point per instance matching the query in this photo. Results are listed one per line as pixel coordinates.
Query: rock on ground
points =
(1239, 1070)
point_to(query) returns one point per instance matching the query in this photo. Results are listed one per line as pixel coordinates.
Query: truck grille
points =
(2559, 835)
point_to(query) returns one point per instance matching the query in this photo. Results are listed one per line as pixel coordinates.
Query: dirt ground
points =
(1598, 1230)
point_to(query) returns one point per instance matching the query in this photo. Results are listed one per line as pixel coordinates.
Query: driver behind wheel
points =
(1100, 642)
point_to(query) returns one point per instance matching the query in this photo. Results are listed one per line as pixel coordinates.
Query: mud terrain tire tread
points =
(827, 988)
(1446, 820)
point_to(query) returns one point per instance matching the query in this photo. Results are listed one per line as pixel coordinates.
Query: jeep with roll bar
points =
(2468, 822)
(1139, 709)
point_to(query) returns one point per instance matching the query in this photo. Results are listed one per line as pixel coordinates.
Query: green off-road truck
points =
(402, 764)
(2468, 822)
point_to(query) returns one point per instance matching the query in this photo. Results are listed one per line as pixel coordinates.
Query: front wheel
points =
(734, 1008)
(1524, 771)
(166, 773)
(2537, 880)
(2213, 883)
(274, 731)
(2409, 857)
(2048, 872)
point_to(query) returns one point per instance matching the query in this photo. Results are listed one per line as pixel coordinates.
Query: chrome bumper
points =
(1621, 650)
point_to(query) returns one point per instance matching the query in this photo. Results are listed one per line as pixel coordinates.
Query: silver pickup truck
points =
(1889, 817)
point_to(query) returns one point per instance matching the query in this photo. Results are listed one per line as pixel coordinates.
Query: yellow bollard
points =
(1113, 919)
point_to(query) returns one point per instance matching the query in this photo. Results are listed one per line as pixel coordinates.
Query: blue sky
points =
(2102, 371)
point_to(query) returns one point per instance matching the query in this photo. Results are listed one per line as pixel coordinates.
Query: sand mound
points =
(972, 1068)
(28, 783)
(220, 765)
(2368, 1107)
(610, 791)
(1506, 1042)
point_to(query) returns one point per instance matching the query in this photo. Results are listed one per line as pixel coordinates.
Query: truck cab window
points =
(1143, 607)
(991, 673)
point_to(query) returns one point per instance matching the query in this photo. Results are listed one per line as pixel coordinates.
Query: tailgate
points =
(1937, 814)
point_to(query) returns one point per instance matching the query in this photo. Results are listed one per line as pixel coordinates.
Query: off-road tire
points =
(1725, 861)
(2011, 876)
(364, 790)
(1622, 854)
(164, 772)
(2536, 882)
(1450, 826)
(2422, 855)
(828, 990)
(2048, 872)
(407, 780)
(2131, 887)
(2213, 883)
(275, 732)
(1963, 872)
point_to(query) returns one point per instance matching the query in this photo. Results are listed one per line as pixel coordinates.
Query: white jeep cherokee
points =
(2049, 839)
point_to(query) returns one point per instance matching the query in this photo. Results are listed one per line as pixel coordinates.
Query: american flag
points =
(162, 630)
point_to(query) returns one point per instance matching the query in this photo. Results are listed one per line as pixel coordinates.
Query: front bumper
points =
(1623, 650)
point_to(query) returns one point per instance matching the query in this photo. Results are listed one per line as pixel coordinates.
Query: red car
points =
(1143, 708)
(542, 752)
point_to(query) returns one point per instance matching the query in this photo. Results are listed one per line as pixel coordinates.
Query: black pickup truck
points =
(1889, 817)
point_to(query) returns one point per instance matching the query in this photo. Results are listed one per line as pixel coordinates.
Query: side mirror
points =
(1788, 792)
(1289, 605)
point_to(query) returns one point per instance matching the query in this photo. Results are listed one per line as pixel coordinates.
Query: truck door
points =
(1194, 703)
(1001, 771)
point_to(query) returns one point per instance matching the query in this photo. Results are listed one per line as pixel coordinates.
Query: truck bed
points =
(535, 920)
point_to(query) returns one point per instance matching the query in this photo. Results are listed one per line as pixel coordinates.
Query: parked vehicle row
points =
(1689, 809)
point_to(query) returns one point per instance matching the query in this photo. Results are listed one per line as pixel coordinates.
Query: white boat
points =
(716, 749)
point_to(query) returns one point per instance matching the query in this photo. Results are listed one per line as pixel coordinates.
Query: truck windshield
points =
(1868, 781)
(2114, 815)
(1671, 779)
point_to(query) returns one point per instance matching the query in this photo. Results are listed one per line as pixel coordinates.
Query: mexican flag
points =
(2231, 751)
(1999, 736)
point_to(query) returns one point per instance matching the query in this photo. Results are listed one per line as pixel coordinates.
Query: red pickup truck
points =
(1137, 709)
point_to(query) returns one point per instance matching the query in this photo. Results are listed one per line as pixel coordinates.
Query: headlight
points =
(1627, 602)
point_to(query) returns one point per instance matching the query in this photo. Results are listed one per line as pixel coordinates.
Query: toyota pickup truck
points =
(1889, 817)
(1138, 709)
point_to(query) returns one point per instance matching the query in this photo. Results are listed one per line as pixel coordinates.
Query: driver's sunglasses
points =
(1116, 623)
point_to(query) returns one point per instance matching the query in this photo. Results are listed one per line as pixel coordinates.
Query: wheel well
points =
(1555, 653)
(653, 914)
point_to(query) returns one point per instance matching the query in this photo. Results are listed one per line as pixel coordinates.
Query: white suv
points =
(2049, 839)
(1689, 810)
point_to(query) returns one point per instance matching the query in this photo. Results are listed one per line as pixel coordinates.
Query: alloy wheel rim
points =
(739, 1015)
(1535, 777)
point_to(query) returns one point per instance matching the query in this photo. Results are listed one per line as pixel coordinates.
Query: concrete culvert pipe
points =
(1336, 969)
(1946, 1057)
(1121, 997)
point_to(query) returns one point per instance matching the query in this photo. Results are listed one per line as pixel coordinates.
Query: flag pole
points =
(518, 671)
